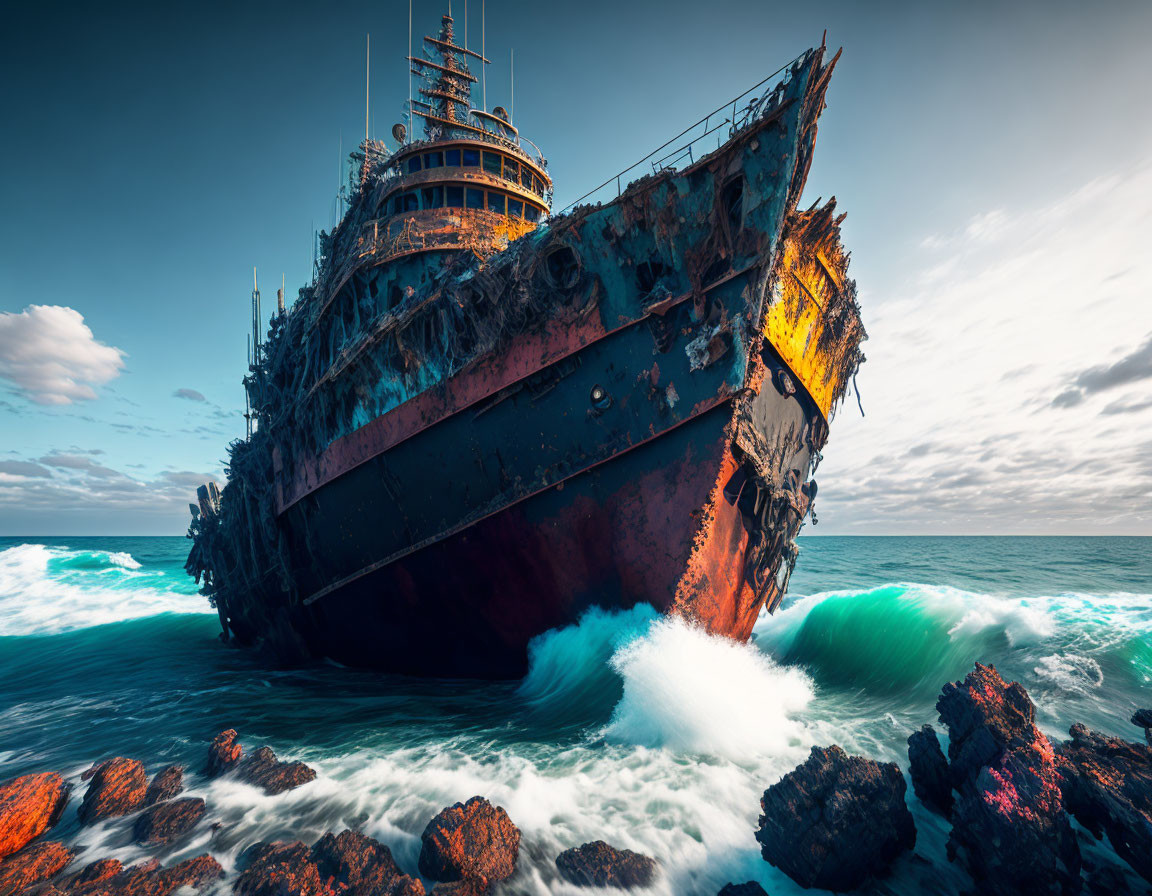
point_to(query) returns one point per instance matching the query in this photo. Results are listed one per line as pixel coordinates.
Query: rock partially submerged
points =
(168, 784)
(1008, 821)
(32, 865)
(836, 820)
(261, 767)
(929, 770)
(108, 877)
(749, 889)
(115, 787)
(1107, 786)
(597, 864)
(470, 841)
(29, 806)
(1142, 718)
(168, 822)
(350, 864)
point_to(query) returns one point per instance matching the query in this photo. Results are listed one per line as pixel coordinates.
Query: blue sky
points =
(994, 161)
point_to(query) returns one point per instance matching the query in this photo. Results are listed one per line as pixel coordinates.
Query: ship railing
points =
(695, 140)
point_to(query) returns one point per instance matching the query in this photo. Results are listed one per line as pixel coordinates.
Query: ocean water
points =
(629, 727)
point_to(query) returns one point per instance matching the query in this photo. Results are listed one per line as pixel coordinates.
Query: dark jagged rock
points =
(281, 869)
(90, 875)
(597, 864)
(836, 820)
(32, 865)
(1107, 786)
(117, 787)
(29, 806)
(749, 889)
(108, 878)
(1008, 820)
(470, 840)
(929, 770)
(349, 864)
(1142, 718)
(364, 865)
(167, 784)
(168, 822)
(263, 769)
(223, 753)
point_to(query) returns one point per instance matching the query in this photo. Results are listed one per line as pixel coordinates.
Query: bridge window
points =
(515, 208)
(492, 163)
(411, 203)
(433, 197)
(471, 158)
(538, 186)
(531, 213)
(413, 164)
(526, 178)
(434, 160)
(511, 170)
(475, 198)
(496, 202)
(455, 196)
(452, 158)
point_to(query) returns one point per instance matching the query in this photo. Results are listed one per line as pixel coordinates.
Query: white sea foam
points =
(37, 598)
(689, 691)
(1070, 673)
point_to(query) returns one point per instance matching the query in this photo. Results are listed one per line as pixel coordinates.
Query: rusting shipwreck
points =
(481, 419)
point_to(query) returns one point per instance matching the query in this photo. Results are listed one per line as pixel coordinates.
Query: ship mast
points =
(447, 83)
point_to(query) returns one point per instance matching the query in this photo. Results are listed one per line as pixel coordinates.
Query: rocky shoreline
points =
(1019, 807)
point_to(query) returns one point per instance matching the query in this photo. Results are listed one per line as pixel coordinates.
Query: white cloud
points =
(995, 320)
(51, 355)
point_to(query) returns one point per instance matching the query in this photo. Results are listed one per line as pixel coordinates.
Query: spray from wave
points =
(47, 590)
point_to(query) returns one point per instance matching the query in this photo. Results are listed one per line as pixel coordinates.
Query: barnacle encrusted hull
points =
(624, 406)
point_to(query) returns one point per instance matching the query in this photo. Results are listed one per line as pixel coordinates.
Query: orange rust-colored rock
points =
(29, 806)
(223, 753)
(150, 880)
(91, 875)
(473, 840)
(167, 784)
(349, 864)
(37, 863)
(116, 787)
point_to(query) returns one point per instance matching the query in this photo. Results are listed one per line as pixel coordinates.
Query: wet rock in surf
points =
(1107, 786)
(1008, 821)
(32, 865)
(223, 753)
(169, 821)
(29, 806)
(929, 770)
(1142, 718)
(363, 865)
(167, 784)
(473, 840)
(108, 878)
(350, 864)
(461, 888)
(836, 820)
(749, 889)
(115, 787)
(261, 767)
(597, 864)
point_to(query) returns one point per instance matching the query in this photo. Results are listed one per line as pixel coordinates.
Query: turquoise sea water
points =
(629, 728)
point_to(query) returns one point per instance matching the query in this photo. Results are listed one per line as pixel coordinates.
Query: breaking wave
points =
(46, 590)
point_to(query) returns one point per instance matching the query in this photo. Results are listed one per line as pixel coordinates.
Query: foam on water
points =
(689, 691)
(45, 590)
